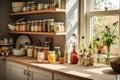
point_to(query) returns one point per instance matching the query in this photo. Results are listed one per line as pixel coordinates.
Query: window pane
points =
(101, 4)
(99, 23)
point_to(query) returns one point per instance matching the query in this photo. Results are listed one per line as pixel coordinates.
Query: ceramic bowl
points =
(18, 52)
(115, 65)
(11, 27)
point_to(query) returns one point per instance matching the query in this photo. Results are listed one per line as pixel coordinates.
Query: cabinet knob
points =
(29, 73)
(25, 72)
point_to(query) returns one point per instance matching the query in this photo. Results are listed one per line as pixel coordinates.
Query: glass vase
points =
(107, 59)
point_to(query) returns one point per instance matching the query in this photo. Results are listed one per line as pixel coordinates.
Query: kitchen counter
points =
(97, 72)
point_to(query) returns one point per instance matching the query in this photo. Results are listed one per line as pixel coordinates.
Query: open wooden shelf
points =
(39, 11)
(39, 33)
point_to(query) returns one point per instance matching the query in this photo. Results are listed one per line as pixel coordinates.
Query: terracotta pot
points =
(102, 49)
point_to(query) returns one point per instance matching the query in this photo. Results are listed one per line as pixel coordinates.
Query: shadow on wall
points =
(72, 21)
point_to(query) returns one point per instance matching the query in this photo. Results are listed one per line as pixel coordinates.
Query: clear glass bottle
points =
(30, 51)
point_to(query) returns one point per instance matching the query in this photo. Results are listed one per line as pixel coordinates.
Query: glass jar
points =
(28, 6)
(57, 53)
(40, 27)
(46, 52)
(36, 26)
(57, 27)
(17, 26)
(51, 25)
(32, 26)
(41, 57)
(30, 51)
(35, 52)
(24, 26)
(45, 25)
(20, 26)
(33, 6)
(51, 57)
(28, 26)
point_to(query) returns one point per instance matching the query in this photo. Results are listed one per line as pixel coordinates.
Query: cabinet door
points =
(15, 71)
(38, 74)
(2, 70)
(63, 77)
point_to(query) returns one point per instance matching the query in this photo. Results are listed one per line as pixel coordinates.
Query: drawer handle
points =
(29, 73)
(25, 72)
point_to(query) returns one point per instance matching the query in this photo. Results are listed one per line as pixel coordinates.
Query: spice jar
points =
(40, 26)
(28, 26)
(51, 25)
(36, 26)
(24, 26)
(17, 26)
(46, 52)
(35, 52)
(45, 25)
(30, 51)
(51, 57)
(41, 57)
(57, 27)
(57, 53)
(32, 26)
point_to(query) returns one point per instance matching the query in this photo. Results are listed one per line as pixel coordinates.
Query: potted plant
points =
(107, 39)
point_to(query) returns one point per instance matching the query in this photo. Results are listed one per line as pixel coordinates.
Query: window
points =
(99, 14)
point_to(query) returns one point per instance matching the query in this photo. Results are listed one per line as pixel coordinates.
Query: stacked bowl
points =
(18, 6)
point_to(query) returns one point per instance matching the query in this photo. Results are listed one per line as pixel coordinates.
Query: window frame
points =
(87, 20)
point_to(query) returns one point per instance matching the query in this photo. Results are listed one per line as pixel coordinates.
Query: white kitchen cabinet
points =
(37, 74)
(2, 70)
(58, 76)
(15, 71)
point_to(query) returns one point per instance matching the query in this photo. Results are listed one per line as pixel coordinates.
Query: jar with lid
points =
(40, 49)
(45, 25)
(24, 26)
(36, 26)
(40, 26)
(57, 27)
(41, 57)
(51, 57)
(46, 51)
(28, 6)
(57, 53)
(35, 52)
(17, 26)
(51, 25)
(32, 26)
(33, 6)
(21, 26)
(28, 26)
(46, 44)
(30, 51)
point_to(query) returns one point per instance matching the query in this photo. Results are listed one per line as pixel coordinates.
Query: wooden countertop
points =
(101, 72)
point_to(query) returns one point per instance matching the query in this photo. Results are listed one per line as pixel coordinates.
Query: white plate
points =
(22, 40)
